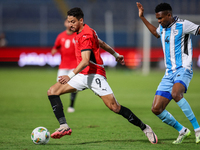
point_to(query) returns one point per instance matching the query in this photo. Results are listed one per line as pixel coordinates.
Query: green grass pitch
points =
(24, 106)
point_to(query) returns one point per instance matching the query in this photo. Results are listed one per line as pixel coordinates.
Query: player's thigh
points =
(59, 89)
(159, 104)
(166, 85)
(79, 82)
(183, 78)
(177, 91)
(99, 85)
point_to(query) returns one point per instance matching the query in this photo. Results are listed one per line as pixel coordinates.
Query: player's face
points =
(67, 25)
(74, 23)
(164, 18)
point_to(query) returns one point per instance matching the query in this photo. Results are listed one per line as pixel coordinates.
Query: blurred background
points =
(28, 29)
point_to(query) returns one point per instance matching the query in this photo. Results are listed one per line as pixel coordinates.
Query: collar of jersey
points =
(175, 19)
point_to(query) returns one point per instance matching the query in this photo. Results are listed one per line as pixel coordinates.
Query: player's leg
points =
(161, 100)
(71, 108)
(62, 72)
(181, 84)
(183, 104)
(158, 108)
(54, 97)
(113, 105)
(177, 94)
(99, 85)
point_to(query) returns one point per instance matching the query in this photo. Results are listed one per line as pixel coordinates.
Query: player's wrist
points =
(71, 74)
(115, 55)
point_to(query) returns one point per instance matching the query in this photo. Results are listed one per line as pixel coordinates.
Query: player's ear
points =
(81, 20)
(169, 14)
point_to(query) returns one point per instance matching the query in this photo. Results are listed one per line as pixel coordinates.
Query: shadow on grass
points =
(160, 141)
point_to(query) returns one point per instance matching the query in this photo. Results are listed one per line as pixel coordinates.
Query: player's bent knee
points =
(156, 111)
(115, 108)
(49, 92)
(176, 96)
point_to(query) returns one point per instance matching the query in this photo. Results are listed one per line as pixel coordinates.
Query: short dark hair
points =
(76, 12)
(163, 7)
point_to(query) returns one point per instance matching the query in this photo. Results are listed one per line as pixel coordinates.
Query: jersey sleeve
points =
(190, 27)
(158, 30)
(57, 43)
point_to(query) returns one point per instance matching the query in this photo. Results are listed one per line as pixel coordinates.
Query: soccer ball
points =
(40, 135)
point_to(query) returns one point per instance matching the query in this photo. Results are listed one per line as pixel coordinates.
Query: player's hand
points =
(63, 79)
(53, 51)
(140, 9)
(120, 59)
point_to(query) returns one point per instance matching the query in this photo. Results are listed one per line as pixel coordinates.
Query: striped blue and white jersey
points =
(177, 44)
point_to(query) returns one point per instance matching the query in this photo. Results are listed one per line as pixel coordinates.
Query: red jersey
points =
(87, 39)
(65, 44)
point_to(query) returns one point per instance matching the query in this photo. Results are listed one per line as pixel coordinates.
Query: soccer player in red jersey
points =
(90, 74)
(65, 44)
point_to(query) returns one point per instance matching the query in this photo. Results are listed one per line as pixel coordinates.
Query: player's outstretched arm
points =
(151, 28)
(106, 47)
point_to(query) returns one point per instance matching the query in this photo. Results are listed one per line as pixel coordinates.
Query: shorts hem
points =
(164, 94)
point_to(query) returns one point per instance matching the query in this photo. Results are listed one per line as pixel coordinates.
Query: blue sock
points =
(184, 105)
(167, 118)
(194, 123)
(178, 126)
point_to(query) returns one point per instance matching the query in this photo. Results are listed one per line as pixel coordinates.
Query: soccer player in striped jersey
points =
(89, 74)
(175, 35)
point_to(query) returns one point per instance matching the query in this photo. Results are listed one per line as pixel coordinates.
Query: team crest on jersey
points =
(175, 32)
